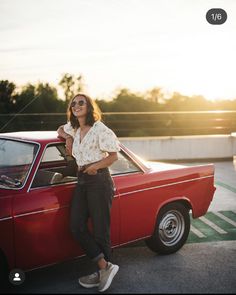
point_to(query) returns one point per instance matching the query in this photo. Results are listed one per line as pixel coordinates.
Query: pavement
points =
(205, 264)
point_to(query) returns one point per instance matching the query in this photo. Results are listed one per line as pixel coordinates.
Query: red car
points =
(37, 178)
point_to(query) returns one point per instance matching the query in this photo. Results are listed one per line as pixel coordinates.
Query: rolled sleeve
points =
(108, 142)
(69, 129)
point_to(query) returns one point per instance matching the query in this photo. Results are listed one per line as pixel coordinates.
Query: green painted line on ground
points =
(229, 187)
(229, 214)
(228, 227)
(211, 234)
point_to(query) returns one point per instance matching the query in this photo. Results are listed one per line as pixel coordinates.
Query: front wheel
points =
(171, 230)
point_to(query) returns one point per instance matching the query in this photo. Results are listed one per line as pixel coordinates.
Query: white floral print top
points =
(94, 146)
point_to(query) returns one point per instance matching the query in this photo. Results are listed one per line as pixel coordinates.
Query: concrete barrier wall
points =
(194, 147)
(233, 135)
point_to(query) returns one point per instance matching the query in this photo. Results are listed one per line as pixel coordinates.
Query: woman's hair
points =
(93, 112)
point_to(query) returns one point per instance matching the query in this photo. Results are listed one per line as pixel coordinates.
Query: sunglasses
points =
(80, 103)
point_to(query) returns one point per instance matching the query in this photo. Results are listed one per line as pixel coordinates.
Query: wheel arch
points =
(184, 201)
(174, 221)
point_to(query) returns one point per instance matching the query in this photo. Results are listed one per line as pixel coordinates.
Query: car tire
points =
(171, 230)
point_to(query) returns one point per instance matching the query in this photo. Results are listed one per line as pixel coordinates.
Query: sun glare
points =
(159, 44)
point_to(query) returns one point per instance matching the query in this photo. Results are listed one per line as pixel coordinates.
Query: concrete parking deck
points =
(219, 224)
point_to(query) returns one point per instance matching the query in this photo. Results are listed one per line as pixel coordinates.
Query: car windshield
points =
(16, 158)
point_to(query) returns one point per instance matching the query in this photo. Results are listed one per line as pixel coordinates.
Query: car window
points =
(16, 159)
(53, 153)
(123, 165)
(56, 167)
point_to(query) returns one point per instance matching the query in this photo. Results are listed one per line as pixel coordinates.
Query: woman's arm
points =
(62, 133)
(69, 139)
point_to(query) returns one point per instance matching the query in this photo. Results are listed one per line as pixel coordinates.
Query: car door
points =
(42, 234)
(131, 184)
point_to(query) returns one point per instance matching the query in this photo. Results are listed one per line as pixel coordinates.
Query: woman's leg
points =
(99, 195)
(99, 198)
(79, 215)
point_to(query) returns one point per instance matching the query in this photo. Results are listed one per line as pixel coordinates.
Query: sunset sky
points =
(137, 44)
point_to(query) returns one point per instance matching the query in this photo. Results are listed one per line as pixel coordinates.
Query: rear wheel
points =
(171, 230)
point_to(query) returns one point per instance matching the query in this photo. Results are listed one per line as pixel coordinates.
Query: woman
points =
(94, 147)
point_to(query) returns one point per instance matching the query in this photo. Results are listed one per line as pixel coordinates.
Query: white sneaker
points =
(90, 281)
(106, 276)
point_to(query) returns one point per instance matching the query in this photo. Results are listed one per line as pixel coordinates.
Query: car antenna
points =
(8, 122)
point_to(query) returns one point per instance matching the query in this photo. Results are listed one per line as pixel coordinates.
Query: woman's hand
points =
(106, 162)
(91, 169)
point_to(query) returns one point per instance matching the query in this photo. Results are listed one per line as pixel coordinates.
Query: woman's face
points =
(79, 106)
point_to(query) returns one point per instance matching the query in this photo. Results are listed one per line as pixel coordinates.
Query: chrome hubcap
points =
(171, 228)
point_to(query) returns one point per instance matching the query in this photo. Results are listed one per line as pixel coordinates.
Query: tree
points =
(47, 98)
(155, 95)
(71, 85)
(40, 98)
(7, 96)
(177, 102)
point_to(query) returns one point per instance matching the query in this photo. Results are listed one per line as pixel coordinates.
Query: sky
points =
(113, 44)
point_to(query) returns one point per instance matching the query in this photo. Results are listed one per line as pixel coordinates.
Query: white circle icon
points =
(17, 277)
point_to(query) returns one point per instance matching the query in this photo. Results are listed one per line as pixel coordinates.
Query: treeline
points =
(154, 100)
(39, 98)
(44, 98)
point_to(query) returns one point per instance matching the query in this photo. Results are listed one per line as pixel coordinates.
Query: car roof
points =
(37, 136)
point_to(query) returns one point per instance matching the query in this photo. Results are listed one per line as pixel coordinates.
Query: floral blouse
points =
(95, 145)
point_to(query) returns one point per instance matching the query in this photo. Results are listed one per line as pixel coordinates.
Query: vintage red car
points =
(37, 178)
